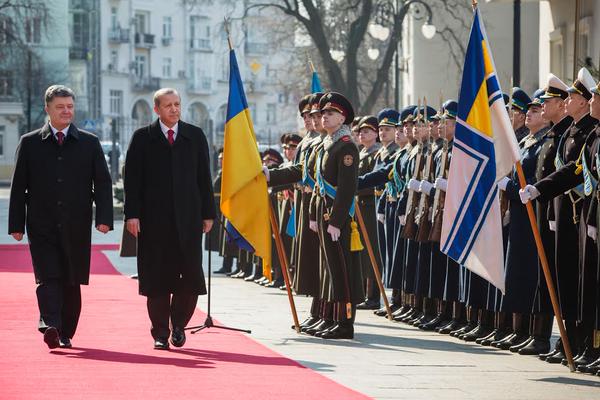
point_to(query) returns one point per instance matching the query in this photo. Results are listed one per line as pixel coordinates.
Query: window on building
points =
(6, 83)
(199, 32)
(271, 113)
(5, 29)
(114, 61)
(114, 20)
(140, 65)
(2, 136)
(79, 30)
(253, 113)
(33, 30)
(167, 27)
(167, 66)
(116, 102)
(140, 23)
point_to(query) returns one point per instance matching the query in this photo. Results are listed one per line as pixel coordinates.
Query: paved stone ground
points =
(386, 360)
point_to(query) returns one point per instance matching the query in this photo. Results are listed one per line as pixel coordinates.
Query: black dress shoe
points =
(51, 337)
(465, 329)
(326, 329)
(592, 368)
(368, 305)
(177, 337)
(536, 346)
(251, 278)
(382, 312)
(239, 274)
(513, 341)
(519, 346)
(161, 344)
(544, 356)
(487, 338)
(323, 324)
(340, 331)
(451, 327)
(584, 359)
(65, 343)
(222, 270)
(306, 323)
(134, 276)
(234, 272)
(477, 333)
(556, 358)
(496, 343)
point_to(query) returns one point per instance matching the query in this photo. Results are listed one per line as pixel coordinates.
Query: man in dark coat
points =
(59, 171)
(169, 204)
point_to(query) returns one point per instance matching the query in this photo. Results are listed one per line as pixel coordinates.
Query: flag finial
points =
(226, 25)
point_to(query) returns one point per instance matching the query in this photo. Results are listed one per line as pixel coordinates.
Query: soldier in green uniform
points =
(306, 258)
(368, 135)
(333, 208)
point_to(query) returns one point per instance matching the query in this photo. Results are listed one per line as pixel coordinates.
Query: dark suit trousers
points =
(60, 306)
(179, 308)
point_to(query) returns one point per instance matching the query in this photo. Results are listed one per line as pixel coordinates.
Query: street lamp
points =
(428, 30)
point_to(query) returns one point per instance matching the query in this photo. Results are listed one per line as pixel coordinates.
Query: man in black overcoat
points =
(59, 171)
(169, 204)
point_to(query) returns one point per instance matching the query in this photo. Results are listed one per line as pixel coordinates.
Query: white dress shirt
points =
(165, 129)
(54, 131)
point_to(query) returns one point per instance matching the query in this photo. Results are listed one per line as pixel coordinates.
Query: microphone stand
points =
(208, 322)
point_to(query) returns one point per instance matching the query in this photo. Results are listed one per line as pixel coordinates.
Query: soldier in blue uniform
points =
(575, 250)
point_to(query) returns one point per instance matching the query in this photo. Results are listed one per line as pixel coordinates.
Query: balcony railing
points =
(118, 35)
(145, 83)
(200, 44)
(144, 40)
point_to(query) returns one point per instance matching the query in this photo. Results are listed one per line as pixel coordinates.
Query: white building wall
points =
(200, 72)
(431, 71)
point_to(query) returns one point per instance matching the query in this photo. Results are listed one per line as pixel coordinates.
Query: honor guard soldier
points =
(334, 204)
(568, 186)
(593, 223)
(517, 112)
(306, 260)
(368, 137)
(521, 254)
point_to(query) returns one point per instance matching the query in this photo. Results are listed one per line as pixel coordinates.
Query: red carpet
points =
(112, 356)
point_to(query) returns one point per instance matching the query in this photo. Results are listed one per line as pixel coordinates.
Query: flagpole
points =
(284, 265)
(374, 264)
(546, 269)
(275, 228)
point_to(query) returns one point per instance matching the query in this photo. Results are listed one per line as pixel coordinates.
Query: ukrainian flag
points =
(485, 149)
(244, 196)
(315, 85)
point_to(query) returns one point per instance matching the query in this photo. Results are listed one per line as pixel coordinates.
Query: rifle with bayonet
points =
(422, 217)
(410, 227)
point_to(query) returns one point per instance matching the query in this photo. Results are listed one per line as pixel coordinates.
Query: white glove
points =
(552, 225)
(266, 172)
(592, 232)
(503, 183)
(334, 232)
(313, 226)
(441, 183)
(413, 184)
(528, 193)
(402, 219)
(381, 218)
(425, 187)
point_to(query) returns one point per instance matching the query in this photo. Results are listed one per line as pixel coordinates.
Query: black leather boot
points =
(344, 329)
(458, 319)
(520, 329)
(484, 327)
(542, 330)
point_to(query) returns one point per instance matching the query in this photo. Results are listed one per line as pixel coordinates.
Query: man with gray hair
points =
(169, 204)
(59, 171)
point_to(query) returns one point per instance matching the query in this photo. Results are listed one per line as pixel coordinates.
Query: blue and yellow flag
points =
(244, 196)
(485, 150)
(315, 85)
